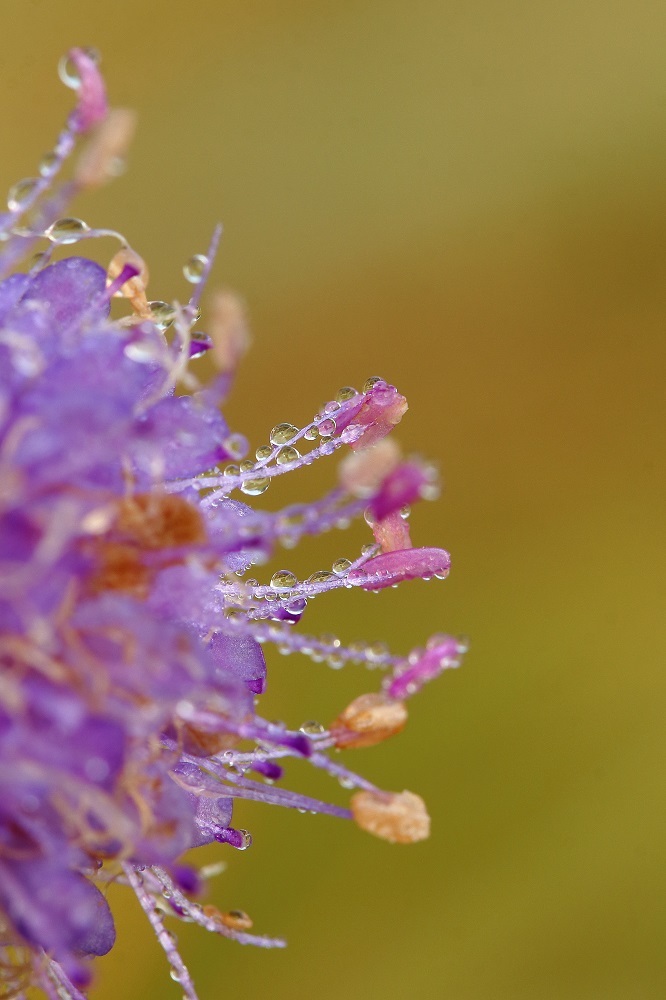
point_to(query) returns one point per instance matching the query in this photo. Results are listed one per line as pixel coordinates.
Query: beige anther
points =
(235, 920)
(102, 158)
(369, 719)
(399, 817)
(361, 473)
(228, 330)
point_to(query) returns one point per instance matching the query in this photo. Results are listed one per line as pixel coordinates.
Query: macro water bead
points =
(134, 623)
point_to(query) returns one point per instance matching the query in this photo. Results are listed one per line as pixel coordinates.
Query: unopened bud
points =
(371, 718)
(228, 330)
(362, 472)
(103, 157)
(399, 817)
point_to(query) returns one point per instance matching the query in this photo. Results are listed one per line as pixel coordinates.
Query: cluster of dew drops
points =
(69, 230)
(253, 478)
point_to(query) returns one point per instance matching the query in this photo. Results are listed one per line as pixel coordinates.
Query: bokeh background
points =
(468, 199)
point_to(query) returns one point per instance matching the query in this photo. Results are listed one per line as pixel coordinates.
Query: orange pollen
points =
(119, 567)
(145, 522)
(204, 743)
(159, 521)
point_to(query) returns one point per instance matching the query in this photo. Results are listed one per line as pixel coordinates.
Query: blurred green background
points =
(468, 199)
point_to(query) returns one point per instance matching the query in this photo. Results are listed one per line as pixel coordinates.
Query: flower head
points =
(131, 628)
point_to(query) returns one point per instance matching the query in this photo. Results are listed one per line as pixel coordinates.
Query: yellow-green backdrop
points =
(468, 199)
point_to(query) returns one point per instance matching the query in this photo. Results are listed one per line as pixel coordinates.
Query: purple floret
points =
(131, 628)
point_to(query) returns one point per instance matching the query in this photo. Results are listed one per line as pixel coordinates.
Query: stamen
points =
(179, 971)
(228, 331)
(91, 107)
(103, 157)
(369, 719)
(236, 920)
(392, 533)
(400, 818)
(441, 653)
(390, 568)
(362, 472)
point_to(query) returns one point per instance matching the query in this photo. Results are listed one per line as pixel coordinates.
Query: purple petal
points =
(71, 289)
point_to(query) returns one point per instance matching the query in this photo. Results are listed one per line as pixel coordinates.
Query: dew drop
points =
(48, 164)
(284, 580)
(347, 392)
(328, 640)
(247, 465)
(312, 433)
(163, 313)
(20, 193)
(371, 382)
(254, 487)
(142, 354)
(236, 445)
(247, 840)
(67, 230)
(335, 661)
(340, 566)
(231, 470)
(263, 452)
(287, 455)
(327, 427)
(368, 550)
(312, 728)
(68, 73)
(331, 407)
(463, 643)
(234, 615)
(377, 651)
(321, 576)
(195, 268)
(357, 649)
(283, 434)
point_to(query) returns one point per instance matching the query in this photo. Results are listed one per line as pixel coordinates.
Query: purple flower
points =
(131, 627)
